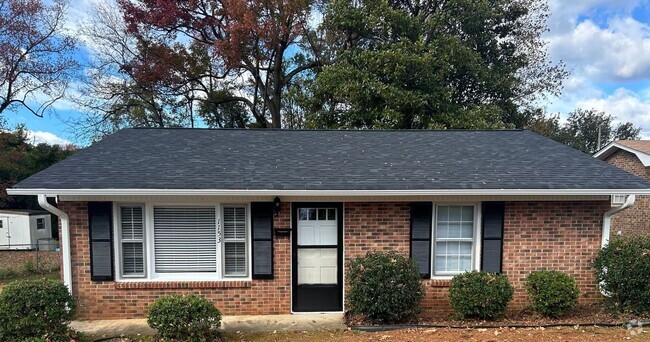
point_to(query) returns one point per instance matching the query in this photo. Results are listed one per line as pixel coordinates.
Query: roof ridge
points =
(324, 130)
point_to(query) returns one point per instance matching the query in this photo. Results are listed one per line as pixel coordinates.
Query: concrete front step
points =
(264, 323)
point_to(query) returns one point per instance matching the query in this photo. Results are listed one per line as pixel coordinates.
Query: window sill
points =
(151, 285)
(440, 282)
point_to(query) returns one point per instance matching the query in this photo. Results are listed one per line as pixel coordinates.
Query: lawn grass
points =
(8, 277)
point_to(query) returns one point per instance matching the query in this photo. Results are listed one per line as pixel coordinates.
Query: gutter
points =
(607, 218)
(316, 192)
(65, 237)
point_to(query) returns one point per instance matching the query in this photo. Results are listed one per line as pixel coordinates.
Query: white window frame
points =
(117, 219)
(247, 246)
(40, 219)
(149, 244)
(618, 200)
(476, 241)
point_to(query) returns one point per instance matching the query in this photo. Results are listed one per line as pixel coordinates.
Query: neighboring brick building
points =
(632, 156)
(265, 222)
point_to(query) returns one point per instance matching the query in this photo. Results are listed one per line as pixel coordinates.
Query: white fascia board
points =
(612, 147)
(351, 193)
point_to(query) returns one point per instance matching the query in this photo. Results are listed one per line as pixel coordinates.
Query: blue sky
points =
(605, 44)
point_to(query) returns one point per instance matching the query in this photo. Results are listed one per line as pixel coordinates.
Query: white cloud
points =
(565, 14)
(620, 52)
(605, 48)
(37, 137)
(625, 105)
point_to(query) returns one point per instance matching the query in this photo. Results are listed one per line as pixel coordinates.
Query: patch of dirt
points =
(484, 334)
(596, 313)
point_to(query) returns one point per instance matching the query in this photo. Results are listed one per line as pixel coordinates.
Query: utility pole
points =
(599, 137)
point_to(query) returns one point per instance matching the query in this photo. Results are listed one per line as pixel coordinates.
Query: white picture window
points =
(454, 239)
(179, 242)
(131, 225)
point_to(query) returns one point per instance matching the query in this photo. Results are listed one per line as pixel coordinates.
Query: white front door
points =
(317, 283)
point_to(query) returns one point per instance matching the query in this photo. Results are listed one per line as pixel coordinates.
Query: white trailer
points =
(26, 229)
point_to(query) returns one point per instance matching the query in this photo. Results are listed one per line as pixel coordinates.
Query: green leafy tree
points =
(432, 64)
(19, 159)
(582, 128)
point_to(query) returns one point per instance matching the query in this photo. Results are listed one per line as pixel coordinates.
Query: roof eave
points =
(613, 147)
(325, 193)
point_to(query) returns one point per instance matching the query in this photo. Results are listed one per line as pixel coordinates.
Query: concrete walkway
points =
(229, 323)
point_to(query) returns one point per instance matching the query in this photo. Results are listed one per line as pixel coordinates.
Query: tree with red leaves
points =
(35, 57)
(148, 79)
(259, 45)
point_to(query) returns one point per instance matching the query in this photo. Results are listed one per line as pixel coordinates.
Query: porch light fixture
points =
(276, 206)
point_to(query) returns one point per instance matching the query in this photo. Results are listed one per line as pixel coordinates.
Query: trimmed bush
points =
(385, 287)
(480, 295)
(623, 271)
(39, 309)
(552, 293)
(184, 317)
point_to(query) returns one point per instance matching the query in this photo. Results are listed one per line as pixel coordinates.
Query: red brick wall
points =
(563, 236)
(538, 235)
(635, 220)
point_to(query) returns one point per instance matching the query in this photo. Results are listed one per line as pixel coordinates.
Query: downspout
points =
(607, 218)
(65, 237)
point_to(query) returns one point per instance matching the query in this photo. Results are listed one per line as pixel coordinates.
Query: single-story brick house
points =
(632, 156)
(263, 221)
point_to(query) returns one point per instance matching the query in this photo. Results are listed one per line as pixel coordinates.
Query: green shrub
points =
(40, 308)
(188, 317)
(623, 271)
(480, 294)
(385, 287)
(552, 293)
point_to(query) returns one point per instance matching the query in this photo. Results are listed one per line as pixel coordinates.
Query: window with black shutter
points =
(101, 240)
(421, 216)
(492, 248)
(262, 227)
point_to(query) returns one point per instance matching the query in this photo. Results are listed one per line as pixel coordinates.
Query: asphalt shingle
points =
(329, 160)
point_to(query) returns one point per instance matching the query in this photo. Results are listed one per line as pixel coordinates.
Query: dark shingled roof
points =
(330, 160)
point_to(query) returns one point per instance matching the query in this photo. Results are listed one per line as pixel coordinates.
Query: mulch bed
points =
(588, 314)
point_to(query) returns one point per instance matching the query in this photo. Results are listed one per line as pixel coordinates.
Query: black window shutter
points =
(421, 217)
(262, 227)
(492, 235)
(101, 240)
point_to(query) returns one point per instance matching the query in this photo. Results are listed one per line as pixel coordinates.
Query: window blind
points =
(132, 239)
(454, 239)
(185, 240)
(234, 242)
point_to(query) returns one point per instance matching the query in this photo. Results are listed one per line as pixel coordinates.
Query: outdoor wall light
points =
(276, 206)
